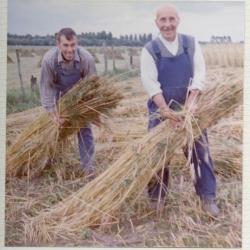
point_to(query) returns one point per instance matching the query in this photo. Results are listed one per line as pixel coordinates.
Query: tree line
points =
(85, 39)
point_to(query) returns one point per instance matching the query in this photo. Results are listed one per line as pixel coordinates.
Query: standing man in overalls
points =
(173, 68)
(62, 67)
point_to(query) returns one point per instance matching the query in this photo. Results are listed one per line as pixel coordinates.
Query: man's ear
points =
(57, 43)
(156, 23)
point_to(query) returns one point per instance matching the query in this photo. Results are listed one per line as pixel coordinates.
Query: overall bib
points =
(63, 81)
(174, 73)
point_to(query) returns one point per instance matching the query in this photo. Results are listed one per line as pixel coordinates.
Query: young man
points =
(62, 67)
(169, 64)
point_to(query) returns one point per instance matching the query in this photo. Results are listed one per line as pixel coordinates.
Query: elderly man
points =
(62, 67)
(173, 68)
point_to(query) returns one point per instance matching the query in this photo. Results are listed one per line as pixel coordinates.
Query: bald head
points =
(167, 21)
(169, 8)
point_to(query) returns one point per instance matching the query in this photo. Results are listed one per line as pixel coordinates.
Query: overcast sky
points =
(200, 18)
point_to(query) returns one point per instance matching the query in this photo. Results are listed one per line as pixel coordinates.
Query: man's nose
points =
(70, 49)
(167, 23)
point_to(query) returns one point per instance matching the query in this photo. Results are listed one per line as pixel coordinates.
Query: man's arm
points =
(47, 91)
(149, 74)
(191, 103)
(198, 83)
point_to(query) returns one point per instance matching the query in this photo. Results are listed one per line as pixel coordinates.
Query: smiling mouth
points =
(168, 30)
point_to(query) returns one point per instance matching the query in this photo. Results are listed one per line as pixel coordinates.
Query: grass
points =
(17, 103)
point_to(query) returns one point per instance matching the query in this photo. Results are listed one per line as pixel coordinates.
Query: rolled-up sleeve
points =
(199, 69)
(47, 91)
(149, 74)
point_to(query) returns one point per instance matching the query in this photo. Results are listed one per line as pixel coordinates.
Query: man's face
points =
(67, 47)
(167, 22)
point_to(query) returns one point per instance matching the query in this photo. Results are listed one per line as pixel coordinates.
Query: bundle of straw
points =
(128, 177)
(226, 150)
(83, 104)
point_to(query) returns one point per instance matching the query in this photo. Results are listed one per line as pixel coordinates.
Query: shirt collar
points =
(175, 42)
(60, 58)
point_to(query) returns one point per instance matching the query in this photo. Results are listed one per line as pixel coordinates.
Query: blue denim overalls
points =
(64, 80)
(174, 73)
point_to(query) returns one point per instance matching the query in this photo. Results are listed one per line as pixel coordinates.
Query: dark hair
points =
(67, 32)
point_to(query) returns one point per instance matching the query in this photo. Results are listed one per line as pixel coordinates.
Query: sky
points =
(201, 19)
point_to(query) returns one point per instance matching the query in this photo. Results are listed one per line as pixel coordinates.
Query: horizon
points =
(224, 18)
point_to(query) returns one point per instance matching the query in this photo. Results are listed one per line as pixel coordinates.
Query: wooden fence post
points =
(113, 58)
(130, 58)
(20, 74)
(105, 57)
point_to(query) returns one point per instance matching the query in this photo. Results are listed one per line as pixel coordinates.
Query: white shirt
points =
(149, 72)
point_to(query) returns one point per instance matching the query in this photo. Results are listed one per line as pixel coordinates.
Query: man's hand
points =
(167, 113)
(175, 121)
(57, 119)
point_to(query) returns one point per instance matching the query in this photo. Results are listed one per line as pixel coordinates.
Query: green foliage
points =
(16, 102)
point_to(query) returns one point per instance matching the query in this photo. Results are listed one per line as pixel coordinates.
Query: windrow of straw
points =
(83, 104)
(17, 122)
(128, 177)
(224, 55)
(227, 151)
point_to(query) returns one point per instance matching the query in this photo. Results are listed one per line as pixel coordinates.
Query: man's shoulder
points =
(84, 54)
(149, 43)
(153, 46)
(50, 55)
(189, 38)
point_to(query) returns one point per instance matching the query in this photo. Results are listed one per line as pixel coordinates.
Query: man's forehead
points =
(63, 38)
(167, 10)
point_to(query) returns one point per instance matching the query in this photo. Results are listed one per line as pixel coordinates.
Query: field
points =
(182, 223)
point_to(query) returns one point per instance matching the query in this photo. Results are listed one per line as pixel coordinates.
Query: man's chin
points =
(169, 37)
(68, 58)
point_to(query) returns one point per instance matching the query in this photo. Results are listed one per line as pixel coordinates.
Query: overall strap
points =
(187, 51)
(78, 65)
(185, 44)
(156, 51)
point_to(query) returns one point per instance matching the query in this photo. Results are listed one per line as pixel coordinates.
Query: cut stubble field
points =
(182, 223)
